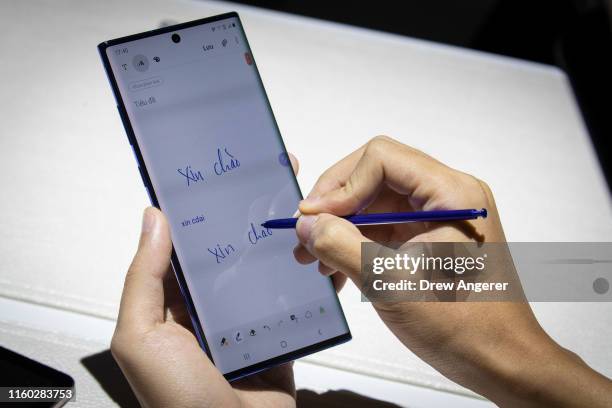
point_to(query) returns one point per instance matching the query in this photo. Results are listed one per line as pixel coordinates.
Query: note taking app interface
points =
(219, 169)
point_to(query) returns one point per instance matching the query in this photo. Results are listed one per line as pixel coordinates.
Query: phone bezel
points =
(254, 368)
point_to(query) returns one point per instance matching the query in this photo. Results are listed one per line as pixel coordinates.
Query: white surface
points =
(61, 338)
(72, 198)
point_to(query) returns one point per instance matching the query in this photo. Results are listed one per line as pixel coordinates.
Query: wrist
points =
(502, 366)
(534, 371)
(525, 373)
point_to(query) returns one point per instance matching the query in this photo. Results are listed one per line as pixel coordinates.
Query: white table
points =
(56, 337)
(72, 199)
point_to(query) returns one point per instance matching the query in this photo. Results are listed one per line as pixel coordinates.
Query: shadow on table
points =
(338, 399)
(104, 369)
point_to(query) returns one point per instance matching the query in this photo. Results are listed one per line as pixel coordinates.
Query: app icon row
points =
(240, 336)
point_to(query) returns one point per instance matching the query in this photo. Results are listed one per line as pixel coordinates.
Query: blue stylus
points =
(391, 218)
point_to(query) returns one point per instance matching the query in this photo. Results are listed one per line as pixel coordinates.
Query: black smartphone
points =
(212, 159)
(25, 382)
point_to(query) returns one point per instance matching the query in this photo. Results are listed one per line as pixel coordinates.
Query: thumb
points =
(334, 241)
(142, 301)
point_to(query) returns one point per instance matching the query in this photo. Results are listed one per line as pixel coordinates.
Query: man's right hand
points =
(497, 349)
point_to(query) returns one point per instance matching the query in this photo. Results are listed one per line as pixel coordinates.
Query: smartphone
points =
(211, 157)
(29, 383)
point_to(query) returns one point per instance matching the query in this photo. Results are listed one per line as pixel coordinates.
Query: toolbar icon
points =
(140, 63)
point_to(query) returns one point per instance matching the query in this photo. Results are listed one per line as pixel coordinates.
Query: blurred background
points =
(573, 35)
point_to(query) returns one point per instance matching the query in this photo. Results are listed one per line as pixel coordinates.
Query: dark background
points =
(574, 35)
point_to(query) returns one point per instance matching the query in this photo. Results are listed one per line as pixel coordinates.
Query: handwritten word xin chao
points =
(257, 234)
(226, 162)
(221, 253)
(191, 175)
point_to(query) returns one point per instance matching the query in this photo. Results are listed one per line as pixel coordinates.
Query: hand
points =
(156, 349)
(497, 349)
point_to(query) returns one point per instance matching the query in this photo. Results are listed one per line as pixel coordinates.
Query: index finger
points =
(383, 161)
(337, 175)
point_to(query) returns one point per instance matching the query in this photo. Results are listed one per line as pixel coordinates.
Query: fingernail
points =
(304, 227)
(296, 214)
(148, 220)
(325, 270)
(310, 201)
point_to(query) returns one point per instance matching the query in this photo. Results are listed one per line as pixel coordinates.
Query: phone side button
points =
(124, 121)
(142, 177)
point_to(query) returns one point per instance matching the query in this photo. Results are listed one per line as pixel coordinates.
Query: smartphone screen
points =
(212, 159)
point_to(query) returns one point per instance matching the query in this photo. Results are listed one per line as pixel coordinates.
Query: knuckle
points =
(130, 275)
(349, 196)
(138, 264)
(324, 176)
(117, 346)
(478, 189)
(348, 188)
(327, 181)
(383, 138)
(486, 188)
(134, 265)
(128, 341)
(377, 145)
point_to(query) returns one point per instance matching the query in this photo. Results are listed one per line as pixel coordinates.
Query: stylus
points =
(391, 218)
